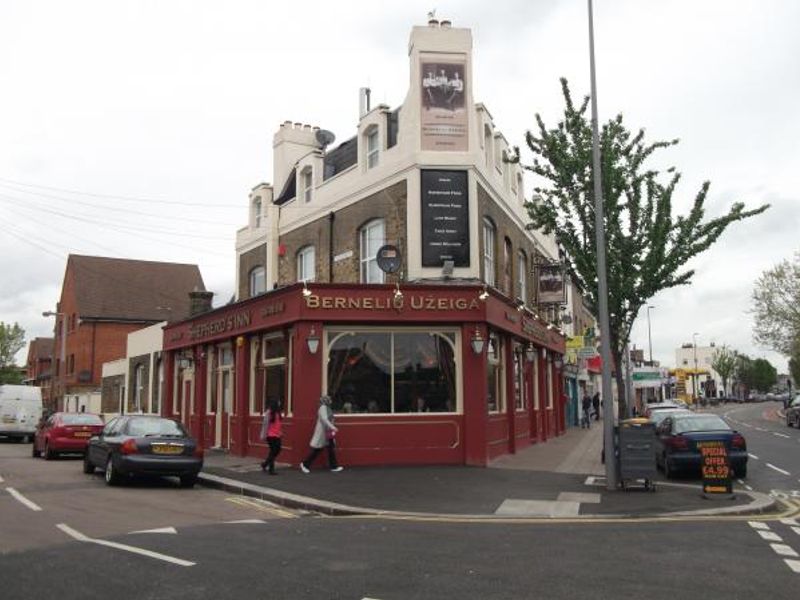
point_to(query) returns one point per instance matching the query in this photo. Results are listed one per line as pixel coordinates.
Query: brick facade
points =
(388, 204)
(247, 262)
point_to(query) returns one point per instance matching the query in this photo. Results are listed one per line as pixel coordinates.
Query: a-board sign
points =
(716, 467)
(445, 218)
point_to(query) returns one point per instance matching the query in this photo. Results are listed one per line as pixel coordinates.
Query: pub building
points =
(394, 273)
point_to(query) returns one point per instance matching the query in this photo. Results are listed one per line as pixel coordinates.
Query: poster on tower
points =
(445, 218)
(443, 110)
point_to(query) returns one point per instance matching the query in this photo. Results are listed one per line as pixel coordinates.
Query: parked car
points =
(793, 412)
(133, 445)
(679, 434)
(65, 432)
(659, 415)
(650, 409)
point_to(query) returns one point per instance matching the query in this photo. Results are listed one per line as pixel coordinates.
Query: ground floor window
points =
(270, 371)
(392, 371)
(519, 378)
(494, 374)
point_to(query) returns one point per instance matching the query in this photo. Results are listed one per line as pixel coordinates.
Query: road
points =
(66, 533)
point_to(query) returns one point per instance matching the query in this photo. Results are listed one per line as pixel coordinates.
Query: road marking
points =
(149, 553)
(796, 530)
(748, 488)
(758, 524)
(769, 536)
(171, 530)
(23, 499)
(262, 506)
(753, 456)
(778, 469)
(794, 565)
(262, 521)
(789, 521)
(760, 429)
(784, 550)
(783, 435)
(1, 479)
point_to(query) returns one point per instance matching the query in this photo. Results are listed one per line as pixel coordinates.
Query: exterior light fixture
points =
(477, 342)
(313, 341)
(521, 305)
(484, 294)
(306, 291)
(184, 361)
(397, 293)
(530, 352)
(558, 362)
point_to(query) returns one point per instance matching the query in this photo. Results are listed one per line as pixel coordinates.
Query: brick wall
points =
(389, 204)
(247, 262)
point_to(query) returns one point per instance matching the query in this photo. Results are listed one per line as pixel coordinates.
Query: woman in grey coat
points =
(324, 434)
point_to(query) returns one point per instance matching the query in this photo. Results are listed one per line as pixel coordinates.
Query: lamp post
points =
(694, 384)
(649, 335)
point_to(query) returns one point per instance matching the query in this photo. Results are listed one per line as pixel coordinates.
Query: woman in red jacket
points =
(272, 431)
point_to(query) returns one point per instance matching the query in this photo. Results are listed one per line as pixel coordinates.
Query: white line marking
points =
(1, 479)
(783, 435)
(789, 521)
(760, 429)
(748, 488)
(796, 530)
(778, 469)
(23, 499)
(171, 530)
(794, 565)
(784, 550)
(83, 538)
(758, 525)
(770, 536)
(245, 521)
(753, 456)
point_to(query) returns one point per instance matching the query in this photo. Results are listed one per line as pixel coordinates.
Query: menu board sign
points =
(445, 218)
(716, 467)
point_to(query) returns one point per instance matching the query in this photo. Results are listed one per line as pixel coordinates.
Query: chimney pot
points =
(445, 23)
(433, 23)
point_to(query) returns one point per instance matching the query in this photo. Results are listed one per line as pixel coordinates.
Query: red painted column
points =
(476, 415)
(168, 402)
(559, 398)
(530, 386)
(199, 400)
(542, 396)
(511, 408)
(242, 398)
(306, 374)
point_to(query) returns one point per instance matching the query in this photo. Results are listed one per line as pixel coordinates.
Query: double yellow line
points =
(262, 506)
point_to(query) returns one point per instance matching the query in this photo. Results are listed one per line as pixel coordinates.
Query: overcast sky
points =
(136, 129)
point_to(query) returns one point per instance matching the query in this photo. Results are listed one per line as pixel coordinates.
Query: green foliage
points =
(647, 248)
(12, 339)
(794, 369)
(11, 374)
(776, 307)
(723, 361)
(756, 374)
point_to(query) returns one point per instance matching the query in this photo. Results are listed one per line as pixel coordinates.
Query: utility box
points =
(636, 453)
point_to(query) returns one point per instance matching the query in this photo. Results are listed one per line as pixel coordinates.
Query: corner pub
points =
(436, 357)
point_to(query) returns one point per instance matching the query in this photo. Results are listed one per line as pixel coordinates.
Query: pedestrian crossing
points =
(785, 549)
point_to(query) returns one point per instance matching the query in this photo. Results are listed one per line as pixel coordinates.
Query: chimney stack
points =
(200, 302)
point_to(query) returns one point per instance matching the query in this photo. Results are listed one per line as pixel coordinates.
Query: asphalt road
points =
(86, 541)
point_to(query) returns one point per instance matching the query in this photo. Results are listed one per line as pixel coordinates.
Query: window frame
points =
(495, 360)
(372, 152)
(365, 259)
(257, 208)
(251, 277)
(307, 184)
(489, 244)
(300, 262)
(522, 275)
(258, 361)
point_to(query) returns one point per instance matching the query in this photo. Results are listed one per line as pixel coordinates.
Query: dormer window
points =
(257, 212)
(373, 147)
(307, 184)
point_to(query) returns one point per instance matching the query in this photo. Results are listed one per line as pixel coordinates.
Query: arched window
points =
(306, 264)
(488, 252)
(522, 276)
(372, 139)
(371, 237)
(507, 267)
(258, 281)
(257, 212)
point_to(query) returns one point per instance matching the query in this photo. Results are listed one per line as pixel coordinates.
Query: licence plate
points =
(82, 434)
(167, 448)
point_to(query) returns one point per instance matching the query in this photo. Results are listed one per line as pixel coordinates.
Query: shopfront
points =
(418, 374)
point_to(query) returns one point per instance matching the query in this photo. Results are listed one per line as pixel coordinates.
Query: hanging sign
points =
(551, 285)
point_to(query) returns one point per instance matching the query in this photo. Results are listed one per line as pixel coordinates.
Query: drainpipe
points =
(331, 219)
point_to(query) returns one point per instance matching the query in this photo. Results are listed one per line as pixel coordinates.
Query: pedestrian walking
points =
(596, 405)
(586, 407)
(324, 437)
(272, 432)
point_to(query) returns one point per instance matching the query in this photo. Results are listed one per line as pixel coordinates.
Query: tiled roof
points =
(132, 290)
(41, 347)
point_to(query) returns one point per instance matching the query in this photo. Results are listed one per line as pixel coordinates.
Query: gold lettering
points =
(312, 301)
(340, 302)
(416, 302)
(442, 304)
(474, 304)
(353, 303)
(327, 303)
(366, 304)
(461, 304)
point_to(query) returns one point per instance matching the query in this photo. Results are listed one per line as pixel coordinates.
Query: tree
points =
(723, 361)
(12, 339)
(647, 248)
(776, 307)
(761, 375)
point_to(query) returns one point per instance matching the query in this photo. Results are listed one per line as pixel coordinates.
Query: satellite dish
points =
(324, 137)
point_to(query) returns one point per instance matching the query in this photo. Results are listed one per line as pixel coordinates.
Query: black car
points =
(793, 412)
(144, 445)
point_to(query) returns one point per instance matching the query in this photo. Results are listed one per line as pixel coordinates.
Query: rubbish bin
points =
(636, 453)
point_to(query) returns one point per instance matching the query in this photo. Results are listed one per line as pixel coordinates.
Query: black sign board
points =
(716, 467)
(445, 218)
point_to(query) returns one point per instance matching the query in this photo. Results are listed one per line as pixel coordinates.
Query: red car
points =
(65, 432)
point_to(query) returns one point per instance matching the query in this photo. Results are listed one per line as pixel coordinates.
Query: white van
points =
(20, 411)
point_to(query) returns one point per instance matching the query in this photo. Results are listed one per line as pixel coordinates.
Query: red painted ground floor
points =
(421, 375)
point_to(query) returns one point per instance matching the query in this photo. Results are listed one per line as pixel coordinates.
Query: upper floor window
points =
(258, 281)
(307, 182)
(507, 267)
(373, 147)
(522, 276)
(487, 144)
(306, 264)
(520, 190)
(257, 211)
(488, 252)
(371, 237)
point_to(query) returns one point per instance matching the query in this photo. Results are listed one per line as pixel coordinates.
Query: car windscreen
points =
(154, 427)
(81, 419)
(700, 423)
(659, 415)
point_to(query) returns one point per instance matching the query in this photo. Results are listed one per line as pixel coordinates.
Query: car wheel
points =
(34, 452)
(48, 453)
(669, 471)
(88, 467)
(188, 481)
(111, 475)
(741, 472)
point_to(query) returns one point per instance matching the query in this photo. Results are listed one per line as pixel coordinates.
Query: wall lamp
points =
(530, 352)
(558, 362)
(313, 341)
(397, 293)
(484, 294)
(477, 342)
(184, 361)
(306, 291)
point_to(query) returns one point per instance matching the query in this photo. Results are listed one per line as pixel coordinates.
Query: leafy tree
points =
(647, 248)
(762, 375)
(723, 361)
(776, 307)
(12, 339)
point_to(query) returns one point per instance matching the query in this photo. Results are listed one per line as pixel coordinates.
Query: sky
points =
(136, 129)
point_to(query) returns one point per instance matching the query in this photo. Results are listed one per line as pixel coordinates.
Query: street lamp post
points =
(695, 378)
(649, 335)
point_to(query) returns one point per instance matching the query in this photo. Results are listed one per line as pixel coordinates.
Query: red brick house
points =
(39, 366)
(104, 299)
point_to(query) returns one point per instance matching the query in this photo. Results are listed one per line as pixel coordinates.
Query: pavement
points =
(561, 478)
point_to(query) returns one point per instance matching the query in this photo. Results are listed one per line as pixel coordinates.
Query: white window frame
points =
(372, 146)
(489, 242)
(257, 206)
(522, 275)
(138, 388)
(549, 383)
(252, 288)
(366, 234)
(307, 184)
(306, 255)
(495, 360)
